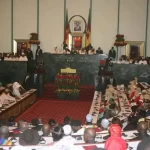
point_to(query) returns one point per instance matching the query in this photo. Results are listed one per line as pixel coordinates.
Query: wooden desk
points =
(20, 106)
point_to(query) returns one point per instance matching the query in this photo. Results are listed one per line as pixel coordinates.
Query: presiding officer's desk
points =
(14, 109)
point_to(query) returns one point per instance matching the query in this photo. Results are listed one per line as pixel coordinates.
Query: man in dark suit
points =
(38, 55)
(77, 27)
(99, 51)
(36, 81)
(29, 54)
(27, 83)
(112, 53)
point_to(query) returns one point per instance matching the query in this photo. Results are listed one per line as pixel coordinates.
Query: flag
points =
(66, 28)
(88, 34)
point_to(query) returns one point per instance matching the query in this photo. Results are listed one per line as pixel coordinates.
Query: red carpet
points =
(57, 110)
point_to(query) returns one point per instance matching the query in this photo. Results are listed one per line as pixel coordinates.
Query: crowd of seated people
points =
(86, 50)
(140, 60)
(24, 55)
(11, 94)
(64, 136)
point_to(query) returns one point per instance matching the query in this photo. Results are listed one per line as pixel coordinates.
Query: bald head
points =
(23, 126)
(46, 129)
(89, 135)
(4, 132)
(142, 126)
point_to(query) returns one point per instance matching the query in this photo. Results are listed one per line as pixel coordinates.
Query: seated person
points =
(104, 124)
(116, 120)
(29, 137)
(17, 89)
(144, 144)
(35, 124)
(46, 130)
(92, 51)
(59, 141)
(76, 127)
(67, 134)
(11, 121)
(133, 120)
(52, 124)
(99, 51)
(115, 141)
(22, 126)
(143, 61)
(67, 120)
(148, 111)
(89, 119)
(142, 128)
(89, 135)
(4, 134)
(6, 98)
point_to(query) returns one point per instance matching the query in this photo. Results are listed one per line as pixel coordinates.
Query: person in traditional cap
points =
(104, 124)
(89, 135)
(76, 127)
(89, 119)
(29, 137)
(115, 141)
(67, 134)
(4, 133)
(61, 142)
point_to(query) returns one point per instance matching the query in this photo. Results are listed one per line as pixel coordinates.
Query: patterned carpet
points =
(57, 110)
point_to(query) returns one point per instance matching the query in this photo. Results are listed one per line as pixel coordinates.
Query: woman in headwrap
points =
(115, 141)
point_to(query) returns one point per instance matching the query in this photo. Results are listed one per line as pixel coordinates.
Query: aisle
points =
(58, 110)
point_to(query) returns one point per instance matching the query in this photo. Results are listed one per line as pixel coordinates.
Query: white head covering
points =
(105, 123)
(89, 118)
(67, 129)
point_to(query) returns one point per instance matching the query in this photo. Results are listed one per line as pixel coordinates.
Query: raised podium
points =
(67, 84)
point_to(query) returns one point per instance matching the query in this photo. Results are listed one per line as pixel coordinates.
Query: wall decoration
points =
(77, 26)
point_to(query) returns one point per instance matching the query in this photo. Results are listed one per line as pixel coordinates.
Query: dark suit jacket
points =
(112, 54)
(38, 53)
(27, 83)
(29, 55)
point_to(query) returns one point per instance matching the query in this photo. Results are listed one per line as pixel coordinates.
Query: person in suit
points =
(27, 82)
(38, 55)
(99, 51)
(29, 54)
(36, 81)
(112, 53)
(77, 26)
